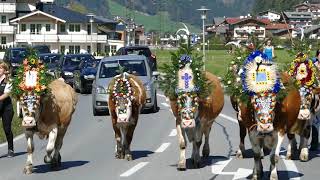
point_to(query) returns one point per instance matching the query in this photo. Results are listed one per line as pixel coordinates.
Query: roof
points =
(311, 29)
(233, 21)
(218, 20)
(298, 15)
(264, 12)
(123, 57)
(275, 26)
(37, 12)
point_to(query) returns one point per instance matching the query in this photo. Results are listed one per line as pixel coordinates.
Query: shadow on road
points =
(281, 175)
(44, 168)
(140, 154)
(15, 154)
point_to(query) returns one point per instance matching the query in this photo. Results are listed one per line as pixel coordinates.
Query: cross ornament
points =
(186, 77)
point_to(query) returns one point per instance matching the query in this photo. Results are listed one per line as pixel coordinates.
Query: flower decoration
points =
(303, 71)
(264, 103)
(121, 88)
(31, 77)
(182, 104)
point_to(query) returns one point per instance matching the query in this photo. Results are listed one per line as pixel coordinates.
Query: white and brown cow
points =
(193, 122)
(127, 97)
(51, 117)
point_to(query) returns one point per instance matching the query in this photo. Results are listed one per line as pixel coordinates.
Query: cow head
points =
(188, 109)
(264, 114)
(306, 97)
(123, 109)
(30, 109)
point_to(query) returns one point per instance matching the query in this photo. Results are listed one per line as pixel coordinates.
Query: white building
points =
(63, 30)
(271, 15)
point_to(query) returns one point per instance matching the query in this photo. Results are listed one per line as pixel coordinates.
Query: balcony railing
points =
(7, 7)
(6, 29)
(63, 38)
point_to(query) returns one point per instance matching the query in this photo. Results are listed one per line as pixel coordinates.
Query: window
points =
(77, 27)
(71, 27)
(62, 28)
(89, 49)
(113, 49)
(32, 28)
(3, 19)
(39, 26)
(62, 49)
(23, 27)
(48, 27)
(107, 49)
(3, 40)
(77, 49)
(71, 49)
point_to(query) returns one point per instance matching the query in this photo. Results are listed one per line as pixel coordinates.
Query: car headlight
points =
(101, 90)
(66, 73)
(89, 76)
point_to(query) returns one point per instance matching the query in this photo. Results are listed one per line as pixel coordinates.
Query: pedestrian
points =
(6, 108)
(269, 50)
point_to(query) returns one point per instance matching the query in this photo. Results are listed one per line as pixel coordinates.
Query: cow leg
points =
(124, 142)
(256, 147)
(292, 146)
(182, 146)
(206, 147)
(278, 147)
(243, 133)
(118, 148)
(196, 146)
(30, 148)
(129, 137)
(304, 154)
(274, 154)
(50, 145)
(56, 161)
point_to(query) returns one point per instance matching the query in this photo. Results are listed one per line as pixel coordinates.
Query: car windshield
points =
(19, 53)
(145, 52)
(89, 64)
(50, 59)
(75, 60)
(110, 69)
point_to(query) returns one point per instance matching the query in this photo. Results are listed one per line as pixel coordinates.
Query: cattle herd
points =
(268, 109)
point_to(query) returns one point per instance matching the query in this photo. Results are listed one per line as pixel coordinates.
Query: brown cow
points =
(124, 109)
(269, 134)
(198, 122)
(52, 119)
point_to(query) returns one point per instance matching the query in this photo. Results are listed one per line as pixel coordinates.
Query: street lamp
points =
(204, 10)
(130, 28)
(91, 16)
(14, 24)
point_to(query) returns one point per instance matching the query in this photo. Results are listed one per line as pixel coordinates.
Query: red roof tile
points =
(275, 26)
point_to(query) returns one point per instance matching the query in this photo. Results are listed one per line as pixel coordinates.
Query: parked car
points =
(52, 62)
(140, 50)
(14, 58)
(109, 67)
(69, 63)
(41, 49)
(84, 76)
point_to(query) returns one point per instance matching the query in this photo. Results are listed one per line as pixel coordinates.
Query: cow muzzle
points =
(122, 118)
(188, 123)
(265, 128)
(28, 122)
(304, 114)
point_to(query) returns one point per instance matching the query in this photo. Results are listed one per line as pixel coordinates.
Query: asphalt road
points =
(88, 152)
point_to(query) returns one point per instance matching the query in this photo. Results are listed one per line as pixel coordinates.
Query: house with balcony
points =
(306, 6)
(297, 19)
(273, 16)
(240, 28)
(66, 31)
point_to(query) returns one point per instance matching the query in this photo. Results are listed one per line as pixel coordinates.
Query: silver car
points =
(109, 67)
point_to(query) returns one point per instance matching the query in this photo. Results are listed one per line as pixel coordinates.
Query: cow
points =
(49, 117)
(124, 109)
(193, 122)
(267, 129)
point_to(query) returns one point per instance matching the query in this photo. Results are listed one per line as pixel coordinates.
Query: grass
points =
(150, 22)
(217, 60)
(16, 126)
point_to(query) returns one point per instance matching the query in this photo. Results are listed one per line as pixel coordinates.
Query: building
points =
(63, 30)
(271, 15)
(297, 19)
(313, 32)
(281, 30)
(314, 8)
(240, 28)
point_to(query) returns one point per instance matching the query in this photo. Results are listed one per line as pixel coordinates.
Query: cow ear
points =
(316, 90)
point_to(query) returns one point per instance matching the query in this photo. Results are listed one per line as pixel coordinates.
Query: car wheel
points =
(95, 112)
(81, 89)
(155, 108)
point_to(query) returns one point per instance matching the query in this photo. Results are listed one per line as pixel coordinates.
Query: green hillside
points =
(151, 22)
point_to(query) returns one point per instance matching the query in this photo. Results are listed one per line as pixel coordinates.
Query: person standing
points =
(6, 108)
(316, 121)
(269, 50)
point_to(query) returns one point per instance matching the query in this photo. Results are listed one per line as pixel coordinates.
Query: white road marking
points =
(173, 132)
(15, 139)
(163, 147)
(165, 104)
(228, 118)
(219, 164)
(134, 169)
(293, 170)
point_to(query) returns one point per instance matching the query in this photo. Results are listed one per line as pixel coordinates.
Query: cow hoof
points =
(239, 154)
(274, 176)
(181, 167)
(27, 169)
(47, 159)
(288, 157)
(304, 155)
(196, 164)
(56, 162)
(128, 157)
(255, 177)
(205, 153)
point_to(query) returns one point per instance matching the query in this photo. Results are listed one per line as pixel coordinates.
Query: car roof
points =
(18, 48)
(50, 54)
(123, 57)
(136, 47)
